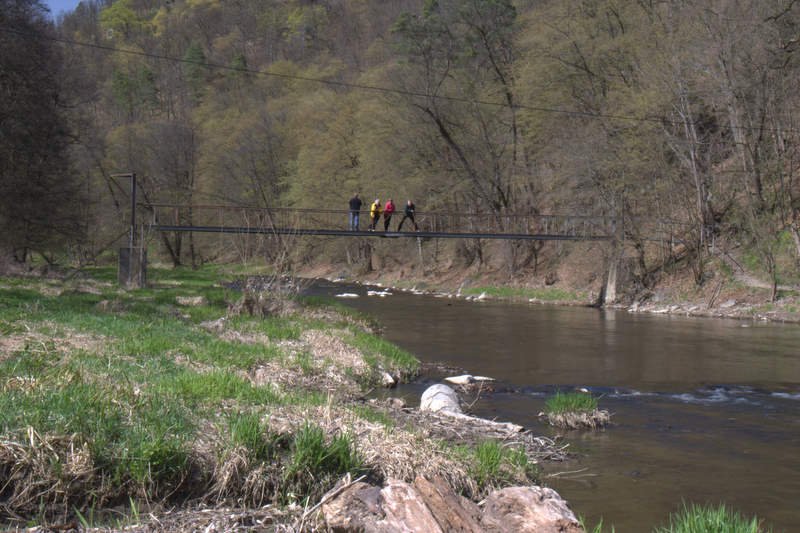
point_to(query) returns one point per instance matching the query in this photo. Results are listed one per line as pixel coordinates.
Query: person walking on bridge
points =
(355, 212)
(375, 211)
(408, 213)
(388, 211)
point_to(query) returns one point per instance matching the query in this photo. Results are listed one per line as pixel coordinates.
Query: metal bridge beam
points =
(384, 234)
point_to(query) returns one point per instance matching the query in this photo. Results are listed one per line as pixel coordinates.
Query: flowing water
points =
(704, 410)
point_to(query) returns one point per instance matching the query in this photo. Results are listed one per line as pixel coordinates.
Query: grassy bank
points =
(115, 398)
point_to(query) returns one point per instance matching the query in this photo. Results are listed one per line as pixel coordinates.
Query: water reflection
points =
(706, 410)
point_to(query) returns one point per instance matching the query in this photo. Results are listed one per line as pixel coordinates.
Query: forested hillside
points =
(674, 110)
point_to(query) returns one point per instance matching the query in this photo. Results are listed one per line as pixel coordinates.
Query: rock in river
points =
(439, 398)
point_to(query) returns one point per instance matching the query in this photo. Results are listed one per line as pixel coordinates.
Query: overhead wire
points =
(365, 87)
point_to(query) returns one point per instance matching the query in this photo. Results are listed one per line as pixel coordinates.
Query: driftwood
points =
(473, 430)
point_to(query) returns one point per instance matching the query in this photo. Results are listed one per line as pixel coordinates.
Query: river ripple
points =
(705, 410)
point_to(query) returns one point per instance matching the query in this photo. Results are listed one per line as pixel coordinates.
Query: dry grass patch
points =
(57, 471)
(318, 361)
(327, 347)
(231, 335)
(597, 419)
(35, 339)
(388, 452)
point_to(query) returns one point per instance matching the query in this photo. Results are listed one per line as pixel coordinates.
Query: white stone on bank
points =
(382, 294)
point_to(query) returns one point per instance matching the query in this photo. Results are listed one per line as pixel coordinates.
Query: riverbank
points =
(115, 405)
(734, 296)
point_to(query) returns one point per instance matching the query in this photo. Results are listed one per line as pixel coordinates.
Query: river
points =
(704, 410)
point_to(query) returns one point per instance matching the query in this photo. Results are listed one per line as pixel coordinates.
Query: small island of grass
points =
(575, 410)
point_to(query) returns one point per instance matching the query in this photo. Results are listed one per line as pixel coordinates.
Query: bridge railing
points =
(427, 221)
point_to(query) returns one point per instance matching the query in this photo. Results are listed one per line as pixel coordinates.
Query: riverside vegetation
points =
(575, 410)
(112, 402)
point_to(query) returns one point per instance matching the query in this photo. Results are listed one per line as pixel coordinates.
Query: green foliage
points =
(195, 70)
(710, 519)
(134, 90)
(570, 402)
(121, 17)
(495, 465)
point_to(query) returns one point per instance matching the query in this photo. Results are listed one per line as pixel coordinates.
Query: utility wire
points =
(373, 88)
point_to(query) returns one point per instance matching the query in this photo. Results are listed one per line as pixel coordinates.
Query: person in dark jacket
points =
(408, 214)
(388, 211)
(355, 212)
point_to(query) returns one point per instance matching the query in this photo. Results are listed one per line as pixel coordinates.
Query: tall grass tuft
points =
(498, 465)
(570, 402)
(575, 410)
(247, 430)
(314, 464)
(710, 519)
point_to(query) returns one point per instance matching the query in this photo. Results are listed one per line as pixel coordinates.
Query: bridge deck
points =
(383, 234)
(432, 225)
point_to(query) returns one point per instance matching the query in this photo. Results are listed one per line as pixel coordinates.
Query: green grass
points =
(145, 377)
(710, 519)
(139, 381)
(495, 465)
(249, 431)
(514, 293)
(372, 414)
(380, 353)
(570, 402)
(314, 463)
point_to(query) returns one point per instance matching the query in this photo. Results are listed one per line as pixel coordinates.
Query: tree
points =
(39, 195)
(465, 49)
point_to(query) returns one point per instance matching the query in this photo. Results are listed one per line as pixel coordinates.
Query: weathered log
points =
(452, 512)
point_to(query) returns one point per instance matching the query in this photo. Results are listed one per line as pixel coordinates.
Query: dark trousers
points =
(411, 218)
(374, 221)
(386, 220)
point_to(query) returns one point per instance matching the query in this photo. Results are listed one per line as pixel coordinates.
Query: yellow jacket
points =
(375, 209)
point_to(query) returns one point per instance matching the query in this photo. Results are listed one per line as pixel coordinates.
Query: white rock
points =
(379, 293)
(482, 378)
(482, 296)
(727, 304)
(387, 380)
(439, 397)
(465, 379)
(347, 295)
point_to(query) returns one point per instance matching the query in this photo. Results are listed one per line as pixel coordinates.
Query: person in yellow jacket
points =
(375, 211)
